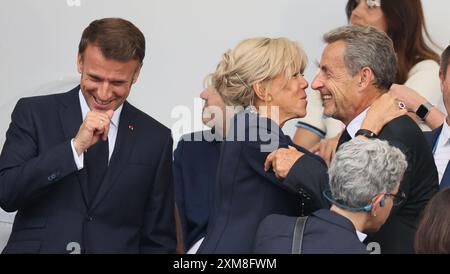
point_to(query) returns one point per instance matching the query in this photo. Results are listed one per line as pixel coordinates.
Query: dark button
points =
(89, 218)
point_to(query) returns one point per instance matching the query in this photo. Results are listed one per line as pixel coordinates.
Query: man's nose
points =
(103, 93)
(317, 83)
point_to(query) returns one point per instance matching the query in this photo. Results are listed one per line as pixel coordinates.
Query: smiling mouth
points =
(101, 103)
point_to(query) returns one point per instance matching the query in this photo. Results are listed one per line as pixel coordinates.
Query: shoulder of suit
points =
(41, 98)
(405, 122)
(147, 120)
(194, 136)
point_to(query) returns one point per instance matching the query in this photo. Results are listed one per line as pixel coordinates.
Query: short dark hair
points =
(118, 39)
(445, 59)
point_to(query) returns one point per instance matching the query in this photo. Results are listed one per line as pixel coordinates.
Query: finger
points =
(105, 132)
(292, 148)
(110, 114)
(315, 148)
(322, 149)
(269, 160)
(328, 153)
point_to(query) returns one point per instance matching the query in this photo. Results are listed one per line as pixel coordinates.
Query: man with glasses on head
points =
(359, 204)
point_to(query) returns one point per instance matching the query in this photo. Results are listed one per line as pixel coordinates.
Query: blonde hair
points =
(255, 60)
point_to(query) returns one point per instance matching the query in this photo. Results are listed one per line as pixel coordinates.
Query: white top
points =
(442, 152)
(112, 134)
(423, 78)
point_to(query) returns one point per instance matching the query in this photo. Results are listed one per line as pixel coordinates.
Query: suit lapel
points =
(432, 136)
(445, 182)
(122, 149)
(71, 119)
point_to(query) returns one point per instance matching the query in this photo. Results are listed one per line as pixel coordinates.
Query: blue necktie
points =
(96, 162)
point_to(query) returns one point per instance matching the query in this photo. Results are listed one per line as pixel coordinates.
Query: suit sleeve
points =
(179, 189)
(307, 178)
(158, 233)
(26, 171)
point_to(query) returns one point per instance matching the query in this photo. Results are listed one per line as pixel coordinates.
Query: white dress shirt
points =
(442, 150)
(112, 134)
(361, 236)
(355, 124)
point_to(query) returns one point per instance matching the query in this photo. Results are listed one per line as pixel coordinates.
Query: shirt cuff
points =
(79, 160)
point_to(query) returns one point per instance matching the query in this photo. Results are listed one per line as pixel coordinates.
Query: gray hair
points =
(367, 47)
(363, 169)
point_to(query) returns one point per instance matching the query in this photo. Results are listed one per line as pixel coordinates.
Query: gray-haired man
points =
(358, 65)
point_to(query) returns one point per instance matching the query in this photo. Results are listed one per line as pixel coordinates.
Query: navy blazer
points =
(432, 138)
(244, 193)
(194, 168)
(326, 232)
(419, 183)
(133, 211)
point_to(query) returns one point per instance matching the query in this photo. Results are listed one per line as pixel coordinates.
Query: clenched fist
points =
(94, 127)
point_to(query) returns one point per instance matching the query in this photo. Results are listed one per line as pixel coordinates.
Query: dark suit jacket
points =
(419, 184)
(326, 232)
(194, 168)
(133, 211)
(244, 193)
(432, 138)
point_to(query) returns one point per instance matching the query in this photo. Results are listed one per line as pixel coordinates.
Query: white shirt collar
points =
(355, 124)
(85, 109)
(361, 236)
(445, 134)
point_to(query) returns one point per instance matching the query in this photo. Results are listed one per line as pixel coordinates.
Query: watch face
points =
(422, 111)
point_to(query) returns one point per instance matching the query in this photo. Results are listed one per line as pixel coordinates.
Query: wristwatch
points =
(423, 110)
(366, 133)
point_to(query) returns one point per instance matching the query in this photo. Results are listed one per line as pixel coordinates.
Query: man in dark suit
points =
(357, 66)
(360, 204)
(194, 167)
(86, 171)
(439, 138)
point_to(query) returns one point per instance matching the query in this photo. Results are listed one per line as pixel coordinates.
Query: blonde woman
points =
(261, 77)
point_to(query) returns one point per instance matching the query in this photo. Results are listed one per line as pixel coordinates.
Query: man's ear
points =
(366, 77)
(441, 77)
(80, 63)
(136, 73)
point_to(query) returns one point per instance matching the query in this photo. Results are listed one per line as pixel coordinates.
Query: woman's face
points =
(369, 12)
(289, 97)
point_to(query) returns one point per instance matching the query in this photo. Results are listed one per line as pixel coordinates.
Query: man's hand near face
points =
(93, 128)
